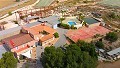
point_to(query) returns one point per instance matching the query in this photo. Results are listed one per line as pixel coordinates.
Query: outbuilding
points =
(53, 21)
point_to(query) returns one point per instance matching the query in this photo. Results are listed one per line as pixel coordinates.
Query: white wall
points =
(55, 26)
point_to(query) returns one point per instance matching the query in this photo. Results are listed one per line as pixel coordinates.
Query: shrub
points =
(72, 27)
(99, 44)
(56, 35)
(111, 36)
(17, 0)
(10, 13)
(61, 19)
(16, 22)
(66, 26)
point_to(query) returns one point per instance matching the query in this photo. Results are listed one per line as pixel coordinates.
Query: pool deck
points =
(69, 19)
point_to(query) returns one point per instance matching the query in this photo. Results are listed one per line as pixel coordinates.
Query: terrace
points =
(86, 33)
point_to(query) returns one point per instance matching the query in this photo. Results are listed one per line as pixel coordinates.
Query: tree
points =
(63, 11)
(71, 57)
(111, 36)
(87, 47)
(10, 13)
(8, 60)
(56, 35)
(53, 58)
(17, 0)
(99, 44)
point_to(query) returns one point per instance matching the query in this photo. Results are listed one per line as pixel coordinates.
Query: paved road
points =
(62, 40)
(39, 50)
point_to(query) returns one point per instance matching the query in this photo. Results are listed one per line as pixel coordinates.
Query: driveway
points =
(62, 39)
(39, 50)
(2, 50)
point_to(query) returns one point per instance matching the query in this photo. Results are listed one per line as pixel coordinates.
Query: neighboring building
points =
(20, 43)
(53, 21)
(86, 33)
(9, 32)
(31, 19)
(115, 54)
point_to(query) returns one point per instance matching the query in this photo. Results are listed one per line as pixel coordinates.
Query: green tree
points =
(8, 60)
(17, 0)
(87, 47)
(56, 35)
(53, 58)
(10, 13)
(71, 57)
(111, 36)
(99, 44)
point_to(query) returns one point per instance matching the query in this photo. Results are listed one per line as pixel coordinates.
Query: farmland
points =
(4, 3)
(112, 3)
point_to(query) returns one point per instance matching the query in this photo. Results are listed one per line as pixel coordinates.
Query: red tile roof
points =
(38, 28)
(85, 33)
(35, 30)
(21, 49)
(18, 40)
(47, 37)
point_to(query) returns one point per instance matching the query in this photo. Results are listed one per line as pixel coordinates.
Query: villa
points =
(41, 33)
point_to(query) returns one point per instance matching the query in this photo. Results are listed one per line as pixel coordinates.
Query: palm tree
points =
(80, 16)
(63, 11)
(84, 24)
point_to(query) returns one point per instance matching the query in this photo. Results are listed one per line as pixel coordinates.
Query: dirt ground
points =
(17, 7)
(4, 3)
(115, 64)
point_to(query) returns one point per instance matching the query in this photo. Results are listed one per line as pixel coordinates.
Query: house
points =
(53, 21)
(86, 33)
(19, 44)
(114, 53)
(41, 33)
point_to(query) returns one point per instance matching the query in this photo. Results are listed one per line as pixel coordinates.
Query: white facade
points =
(54, 26)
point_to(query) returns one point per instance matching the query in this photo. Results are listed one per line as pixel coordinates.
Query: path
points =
(62, 40)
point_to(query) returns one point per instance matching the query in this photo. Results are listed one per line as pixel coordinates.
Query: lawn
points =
(4, 3)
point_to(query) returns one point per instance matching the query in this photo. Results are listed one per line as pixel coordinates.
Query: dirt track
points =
(109, 65)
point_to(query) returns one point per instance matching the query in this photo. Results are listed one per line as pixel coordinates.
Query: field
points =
(111, 3)
(17, 7)
(115, 64)
(4, 3)
(44, 3)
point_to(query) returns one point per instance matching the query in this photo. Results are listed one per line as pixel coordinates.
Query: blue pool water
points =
(72, 23)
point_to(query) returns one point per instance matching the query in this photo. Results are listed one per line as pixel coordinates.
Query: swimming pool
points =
(71, 23)
(91, 20)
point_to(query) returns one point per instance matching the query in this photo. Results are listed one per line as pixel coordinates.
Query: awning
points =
(27, 54)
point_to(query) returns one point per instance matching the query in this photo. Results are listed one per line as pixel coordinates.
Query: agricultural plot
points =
(111, 3)
(43, 3)
(4, 3)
